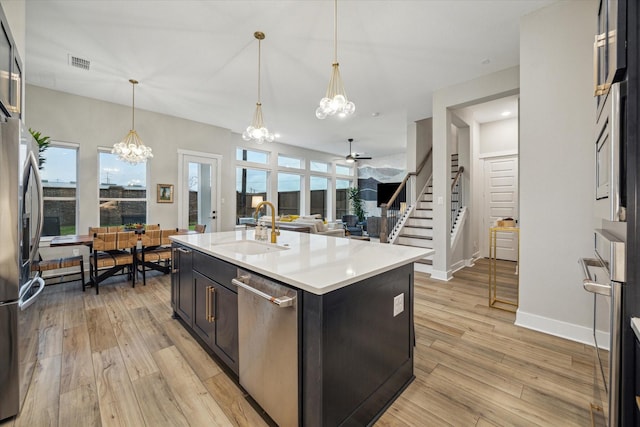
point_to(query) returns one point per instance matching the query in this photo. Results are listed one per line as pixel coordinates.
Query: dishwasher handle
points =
(281, 302)
(589, 284)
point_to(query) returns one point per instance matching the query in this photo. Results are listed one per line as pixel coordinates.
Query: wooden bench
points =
(57, 263)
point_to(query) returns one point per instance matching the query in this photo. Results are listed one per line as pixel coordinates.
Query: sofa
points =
(317, 226)
(314, 222)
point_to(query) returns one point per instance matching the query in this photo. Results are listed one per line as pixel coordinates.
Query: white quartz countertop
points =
(315, 263)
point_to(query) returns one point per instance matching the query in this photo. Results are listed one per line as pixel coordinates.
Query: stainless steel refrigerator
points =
(21, 216)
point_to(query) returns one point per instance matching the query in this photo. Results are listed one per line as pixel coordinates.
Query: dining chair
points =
(42, 265)
(155, 253)
(113, 252)
(199, 228)
(152, 227)
(94, 230)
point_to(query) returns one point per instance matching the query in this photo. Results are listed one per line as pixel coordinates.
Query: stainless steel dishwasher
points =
(268, 345)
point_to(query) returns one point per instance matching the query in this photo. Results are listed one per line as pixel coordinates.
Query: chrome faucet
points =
(274, 233)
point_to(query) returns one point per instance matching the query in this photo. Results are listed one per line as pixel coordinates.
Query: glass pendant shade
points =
(131, 149)
(335, 100)
(256, 131)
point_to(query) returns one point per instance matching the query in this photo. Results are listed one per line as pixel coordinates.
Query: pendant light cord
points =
(133, 107)
(259, 44)
(335, 32)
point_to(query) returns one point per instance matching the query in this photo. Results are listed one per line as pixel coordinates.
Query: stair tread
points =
(413, 236)
(419, 227)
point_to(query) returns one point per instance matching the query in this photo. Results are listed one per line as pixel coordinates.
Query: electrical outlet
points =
(76, 252)
(398, 304)
(440, 200)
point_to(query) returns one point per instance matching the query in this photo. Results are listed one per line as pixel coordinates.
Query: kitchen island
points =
(318, 330)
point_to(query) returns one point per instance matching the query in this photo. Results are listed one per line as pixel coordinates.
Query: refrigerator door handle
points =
(588, 283)
(26, 303)
(32, 165)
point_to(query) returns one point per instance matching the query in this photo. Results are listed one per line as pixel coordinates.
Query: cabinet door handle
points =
(212, 302)
(173, 261)
(206, 303)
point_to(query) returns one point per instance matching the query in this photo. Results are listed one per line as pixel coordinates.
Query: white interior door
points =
(199, 190)
(501, 201)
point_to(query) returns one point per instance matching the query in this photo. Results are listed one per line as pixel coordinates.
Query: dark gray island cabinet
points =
(354, 343)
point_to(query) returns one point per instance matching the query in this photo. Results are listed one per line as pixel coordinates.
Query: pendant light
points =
(335, 100)
(257, 132)
(131, 149)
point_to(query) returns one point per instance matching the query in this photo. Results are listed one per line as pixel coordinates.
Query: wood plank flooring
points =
(118, 359)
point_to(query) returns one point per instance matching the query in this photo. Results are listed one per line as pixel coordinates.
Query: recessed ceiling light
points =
(485, 61)
(506, 113)
(277, 135)
(376, 114)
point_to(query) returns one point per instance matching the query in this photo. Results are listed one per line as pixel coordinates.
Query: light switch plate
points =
(398, 304)
(76, 252)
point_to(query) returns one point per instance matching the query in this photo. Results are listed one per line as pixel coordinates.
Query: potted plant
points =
(43, 144)
(356, 203)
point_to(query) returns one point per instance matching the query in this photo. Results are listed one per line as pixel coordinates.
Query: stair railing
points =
(457, 198)
(392, 211)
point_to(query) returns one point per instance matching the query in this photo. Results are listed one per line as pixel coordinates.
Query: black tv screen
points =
(386, 190)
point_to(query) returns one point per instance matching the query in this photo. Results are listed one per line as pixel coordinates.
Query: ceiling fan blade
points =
(363, 157)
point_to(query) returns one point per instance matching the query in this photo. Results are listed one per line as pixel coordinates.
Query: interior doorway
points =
(501, 201)
(199, 190)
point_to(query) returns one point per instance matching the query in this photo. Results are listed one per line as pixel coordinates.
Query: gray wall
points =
(499, 136)
(557, 118)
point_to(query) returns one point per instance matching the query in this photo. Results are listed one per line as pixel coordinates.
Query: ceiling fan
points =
(353, 156)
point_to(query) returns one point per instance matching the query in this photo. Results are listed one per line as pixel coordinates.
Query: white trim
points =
(183, 152)
(459, 265)
(422, 268)
(505, 153)
(63, 144)
(441, 275)
(570, 331)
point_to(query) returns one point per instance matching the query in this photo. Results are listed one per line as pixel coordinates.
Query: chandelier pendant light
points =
(131, 149)
(335, 100)
(257, 131)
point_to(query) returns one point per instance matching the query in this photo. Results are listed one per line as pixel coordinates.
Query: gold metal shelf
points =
(494, 301)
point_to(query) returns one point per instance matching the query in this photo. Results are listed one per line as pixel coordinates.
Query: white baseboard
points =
(441, 275)
(458, 265)
(422, 268)
(561, 329)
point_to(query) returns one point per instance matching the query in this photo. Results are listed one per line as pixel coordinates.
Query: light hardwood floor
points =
(118, 359)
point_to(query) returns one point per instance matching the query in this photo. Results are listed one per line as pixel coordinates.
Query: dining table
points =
(87, 239)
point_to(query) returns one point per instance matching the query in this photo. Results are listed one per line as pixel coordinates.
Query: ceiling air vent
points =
(77, 62)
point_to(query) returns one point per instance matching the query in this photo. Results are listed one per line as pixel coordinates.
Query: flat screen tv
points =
(386, 190)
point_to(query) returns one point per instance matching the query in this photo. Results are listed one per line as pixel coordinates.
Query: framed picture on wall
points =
(165, 193)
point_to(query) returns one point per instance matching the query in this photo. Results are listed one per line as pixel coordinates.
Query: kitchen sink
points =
(250, 247)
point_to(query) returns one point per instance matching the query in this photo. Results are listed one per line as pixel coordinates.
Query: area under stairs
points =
(418, 228)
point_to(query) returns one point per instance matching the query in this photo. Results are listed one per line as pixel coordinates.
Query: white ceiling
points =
(198, 59)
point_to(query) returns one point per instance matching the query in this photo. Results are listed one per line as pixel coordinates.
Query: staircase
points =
(418, 228)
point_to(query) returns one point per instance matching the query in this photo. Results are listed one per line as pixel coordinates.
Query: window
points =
(319, 186)
(249, 183)
(318, 166)
(344, 170)
(342, 199)
(252, 156)
(59, 178)
(123, 191)
(289, 162)
(288, 194)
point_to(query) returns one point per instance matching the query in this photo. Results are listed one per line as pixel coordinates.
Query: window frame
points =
(69, 146)
(107, 150)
